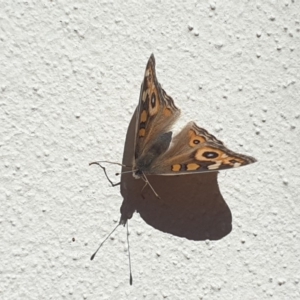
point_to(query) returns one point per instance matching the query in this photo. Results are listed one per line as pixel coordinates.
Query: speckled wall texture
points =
(70, 75)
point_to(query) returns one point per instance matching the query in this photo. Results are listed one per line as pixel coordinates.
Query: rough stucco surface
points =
(69, 81)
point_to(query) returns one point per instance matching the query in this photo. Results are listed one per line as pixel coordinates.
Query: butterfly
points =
(155, 152)
(193, 150)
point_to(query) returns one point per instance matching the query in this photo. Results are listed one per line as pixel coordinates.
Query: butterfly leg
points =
(104, 170)
(148, 183)
(143, 189)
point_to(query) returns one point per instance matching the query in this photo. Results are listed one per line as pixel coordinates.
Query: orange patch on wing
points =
(142, 132)
(154, 110)
(200, 154)
(144, 116)
(167, 112)
(221, 159)
(233, 161)
(195, 139)
(176, 168)
(192, 167)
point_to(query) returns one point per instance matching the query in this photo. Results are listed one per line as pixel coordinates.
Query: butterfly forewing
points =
(195, 150)
(156, 111)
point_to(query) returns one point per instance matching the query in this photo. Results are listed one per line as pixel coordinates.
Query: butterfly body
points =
(192, 150)
(145, 162)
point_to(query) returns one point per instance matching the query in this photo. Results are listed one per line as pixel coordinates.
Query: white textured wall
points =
(70, 76)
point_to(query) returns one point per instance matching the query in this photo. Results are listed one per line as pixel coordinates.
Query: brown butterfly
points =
(193, 150)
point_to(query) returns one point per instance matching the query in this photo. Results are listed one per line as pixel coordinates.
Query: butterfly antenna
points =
(93, 256)
(125, 172)
(108, 162)
(129, 260)
(104, 170)
(148, 183)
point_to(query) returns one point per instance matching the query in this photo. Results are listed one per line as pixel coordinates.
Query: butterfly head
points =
(137, 174)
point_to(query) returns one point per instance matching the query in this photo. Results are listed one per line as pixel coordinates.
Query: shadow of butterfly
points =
(186, 202)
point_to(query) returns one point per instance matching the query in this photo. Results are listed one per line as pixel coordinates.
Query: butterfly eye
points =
(196, 142)
(210, 154)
